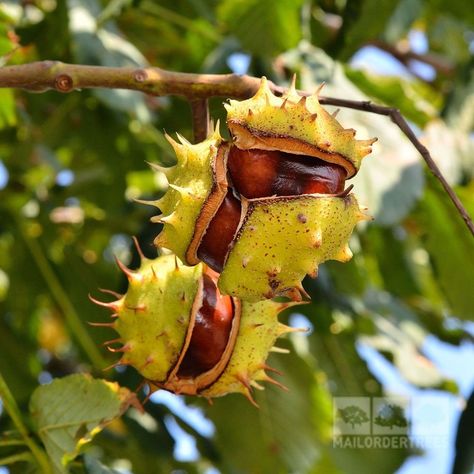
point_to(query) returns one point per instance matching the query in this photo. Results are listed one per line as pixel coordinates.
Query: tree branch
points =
(51, 75)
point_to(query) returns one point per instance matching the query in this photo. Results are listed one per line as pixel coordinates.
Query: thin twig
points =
(402, 124)
(51, 75)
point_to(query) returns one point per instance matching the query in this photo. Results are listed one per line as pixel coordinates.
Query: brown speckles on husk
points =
(296, 249)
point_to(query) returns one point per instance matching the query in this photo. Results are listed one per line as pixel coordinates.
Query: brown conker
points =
(262, 173)
(211, 330)
(220, 233)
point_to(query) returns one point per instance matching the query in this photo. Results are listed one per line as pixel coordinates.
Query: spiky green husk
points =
(259, 329)
(190, 184)
(283, 239)
(155, 322)
(153, 316)
(294, 124)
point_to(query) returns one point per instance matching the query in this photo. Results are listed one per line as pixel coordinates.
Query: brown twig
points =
(51, 75)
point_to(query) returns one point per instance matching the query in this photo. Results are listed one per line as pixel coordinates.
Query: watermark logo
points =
(390, 415)
(390, 422)
(352, 416)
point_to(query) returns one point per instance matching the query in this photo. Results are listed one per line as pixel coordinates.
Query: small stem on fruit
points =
(200, 115)
(13, 410)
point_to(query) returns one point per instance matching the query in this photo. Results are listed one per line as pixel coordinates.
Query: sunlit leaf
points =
(70, 411)
(417, 101)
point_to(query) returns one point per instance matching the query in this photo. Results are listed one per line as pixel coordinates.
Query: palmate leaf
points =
(70, 411)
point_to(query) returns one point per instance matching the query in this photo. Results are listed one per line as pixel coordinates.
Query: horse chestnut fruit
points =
(183, 335)
(269, 207)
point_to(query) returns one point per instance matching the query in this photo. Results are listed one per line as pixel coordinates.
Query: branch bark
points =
(197, 88)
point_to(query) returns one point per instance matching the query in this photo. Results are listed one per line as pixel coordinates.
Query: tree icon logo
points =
(353, 415)
(390, 416)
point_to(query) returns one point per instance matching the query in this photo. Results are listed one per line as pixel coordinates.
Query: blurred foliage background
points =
(71, 166)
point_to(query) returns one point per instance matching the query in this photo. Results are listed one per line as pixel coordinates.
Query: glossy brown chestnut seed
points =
(211, 330)
(262, 173)
(253, 172)
(215, 243)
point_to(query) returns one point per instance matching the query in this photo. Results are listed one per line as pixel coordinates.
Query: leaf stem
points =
(70, 314)
(12, 409)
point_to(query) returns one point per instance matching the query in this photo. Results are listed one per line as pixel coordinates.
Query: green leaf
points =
(264, 27)
(450, 247)
(404, 16)
(112, 10)
(70, 411)
(459, 111)
(451, 148)
(94, 466)
(446, 36)
(400, 338)
(106, 47)
(458, 8)
(390, 259)
(25, 456)
(332, 345)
